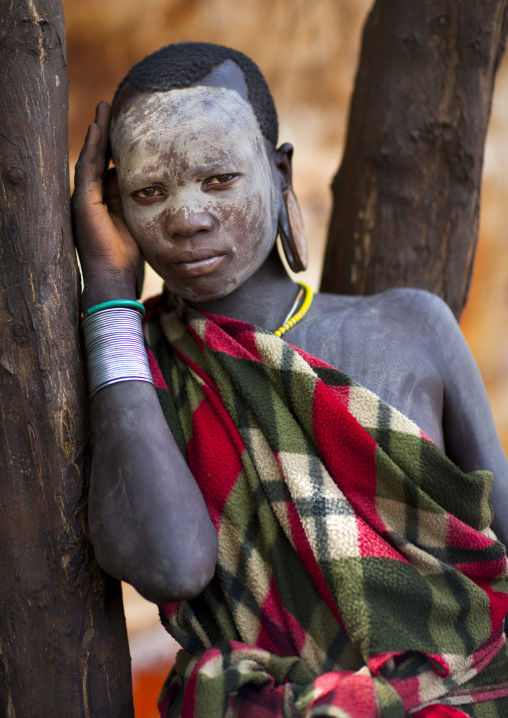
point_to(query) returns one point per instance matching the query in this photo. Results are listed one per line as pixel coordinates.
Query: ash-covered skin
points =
(197, 188)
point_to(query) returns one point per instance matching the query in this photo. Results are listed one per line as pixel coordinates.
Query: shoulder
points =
(432, 322)
(411, 301)
(420, 311)
(399, 326)
(416, 309)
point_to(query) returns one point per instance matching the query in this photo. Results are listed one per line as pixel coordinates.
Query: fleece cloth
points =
(357, 575)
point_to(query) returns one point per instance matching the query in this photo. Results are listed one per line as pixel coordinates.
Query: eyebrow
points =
(142, 177)
(211, 169)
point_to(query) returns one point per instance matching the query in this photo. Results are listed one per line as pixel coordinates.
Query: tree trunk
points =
(63, 644)
(407, 194)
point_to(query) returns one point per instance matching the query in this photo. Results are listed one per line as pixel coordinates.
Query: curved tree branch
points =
(407, 194)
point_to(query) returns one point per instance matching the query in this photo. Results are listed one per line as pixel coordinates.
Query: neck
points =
(264, 299)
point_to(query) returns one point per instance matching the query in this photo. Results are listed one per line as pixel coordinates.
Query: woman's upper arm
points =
(471, 439)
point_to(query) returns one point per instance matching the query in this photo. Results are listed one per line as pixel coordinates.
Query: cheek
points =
(260, 217)
(263, 204)
(256, 208)
(143, 226)
(245, 222)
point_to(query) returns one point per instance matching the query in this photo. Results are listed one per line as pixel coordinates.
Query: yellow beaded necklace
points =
(293, 319)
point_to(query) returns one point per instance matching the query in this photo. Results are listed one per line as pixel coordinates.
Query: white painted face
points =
(197, 188)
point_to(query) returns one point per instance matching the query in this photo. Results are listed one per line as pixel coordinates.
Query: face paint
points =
(196, 187)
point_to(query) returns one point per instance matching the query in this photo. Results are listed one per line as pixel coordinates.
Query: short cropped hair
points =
(185, 63)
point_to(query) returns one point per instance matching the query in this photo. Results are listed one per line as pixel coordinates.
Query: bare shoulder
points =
(416, 306)
(399, 323)
(395, 343)
(429, 322)
(410, 313)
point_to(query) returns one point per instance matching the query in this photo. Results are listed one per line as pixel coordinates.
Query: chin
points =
(212, 286)
(202, 295)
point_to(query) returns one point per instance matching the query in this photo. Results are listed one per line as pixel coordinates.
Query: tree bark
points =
(407, 194)
(63, 643)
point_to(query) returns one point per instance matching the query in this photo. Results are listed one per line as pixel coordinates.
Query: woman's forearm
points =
(148, 520)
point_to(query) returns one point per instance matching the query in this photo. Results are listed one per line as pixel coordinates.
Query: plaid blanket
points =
(357, 575)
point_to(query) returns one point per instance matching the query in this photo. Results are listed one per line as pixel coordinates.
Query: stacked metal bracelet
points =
(114, 344)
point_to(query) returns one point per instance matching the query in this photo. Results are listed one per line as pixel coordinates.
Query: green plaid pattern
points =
(357, 575)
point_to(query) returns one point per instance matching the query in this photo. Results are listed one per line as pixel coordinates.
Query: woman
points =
(311, 547)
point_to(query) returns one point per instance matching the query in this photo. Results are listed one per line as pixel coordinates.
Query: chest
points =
(395, 366)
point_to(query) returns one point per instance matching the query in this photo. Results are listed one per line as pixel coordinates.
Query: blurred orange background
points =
(308, 51)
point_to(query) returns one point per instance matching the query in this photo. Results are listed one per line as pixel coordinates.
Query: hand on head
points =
(109, 255)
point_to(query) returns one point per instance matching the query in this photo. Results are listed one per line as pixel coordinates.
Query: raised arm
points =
(148, 520)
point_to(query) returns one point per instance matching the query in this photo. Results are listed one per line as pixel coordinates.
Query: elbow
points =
(177, 580)
(177, 584)
(160, 575)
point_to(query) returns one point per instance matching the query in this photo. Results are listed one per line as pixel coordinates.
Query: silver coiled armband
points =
(114, 347)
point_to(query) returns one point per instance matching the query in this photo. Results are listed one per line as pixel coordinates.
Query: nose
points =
(186, 222)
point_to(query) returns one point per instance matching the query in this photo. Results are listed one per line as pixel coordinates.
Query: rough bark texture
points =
(63, 645)
(406, 197)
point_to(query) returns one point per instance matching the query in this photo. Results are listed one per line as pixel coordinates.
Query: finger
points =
(102, 117)
(112, 193)
(107, 160)
(91, 143)
(86, 166)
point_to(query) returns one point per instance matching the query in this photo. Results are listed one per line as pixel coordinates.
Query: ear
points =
(290, 223)
(281, 162)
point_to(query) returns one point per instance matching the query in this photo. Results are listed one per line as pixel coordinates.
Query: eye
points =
(220, 180)
(147, 193)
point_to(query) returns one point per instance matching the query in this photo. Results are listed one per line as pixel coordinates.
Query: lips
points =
(195, 264)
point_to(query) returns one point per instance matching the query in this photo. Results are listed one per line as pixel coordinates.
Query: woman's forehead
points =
(207, 111)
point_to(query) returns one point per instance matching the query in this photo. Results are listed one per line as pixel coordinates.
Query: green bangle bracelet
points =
(118, 303)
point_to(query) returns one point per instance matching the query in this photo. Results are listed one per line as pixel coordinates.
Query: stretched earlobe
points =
(290, 227)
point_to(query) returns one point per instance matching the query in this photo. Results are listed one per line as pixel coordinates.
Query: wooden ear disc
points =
(292, 234)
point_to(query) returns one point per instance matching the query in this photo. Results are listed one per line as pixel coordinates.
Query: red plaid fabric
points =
(357, 574)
